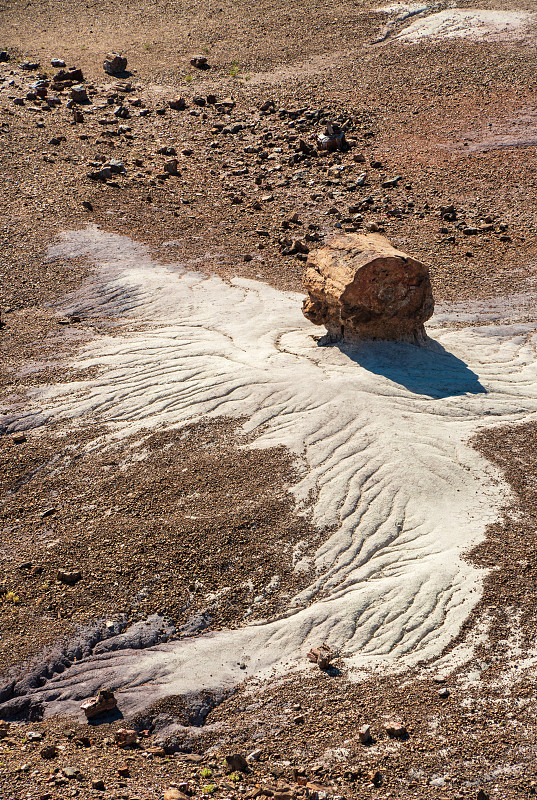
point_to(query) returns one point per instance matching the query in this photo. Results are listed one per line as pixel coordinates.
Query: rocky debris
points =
(332, 139)
(115, 64)
(395, 729)
(74, 75)
(171, 167)
(4, 729)
(237, 763)
(18, 438)
(4, 56)
(125, 737)
(443, 692)
(360, 287)
(57, 63)
(70, 578)
(98, 784)
(177, 104)
(79, 94)
(29, 66)
(321, 656)
(174, 794)
(364, 734)
(200, 62)
(48, 752)
(95, 706)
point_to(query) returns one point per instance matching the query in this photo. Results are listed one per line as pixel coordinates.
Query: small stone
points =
(57, 63)
(174, 794)
(49, 751)
(321, 655)
(125, 737)
(48, 512)
(87, 205)
(79, 94)
(391, 183)
(74, 75)
(95, 706)
(482, 795)
(359, 158)
(4, 56)
(199, 101)
(33, 736)
(364, 734)
(470, 231)
(200, 62)
(254, 755)
(70, 578)
(443, 692)
(267, 198)
(70, 772)
(114, 64)
(396, 729)
(177, 104)
(4, 729)
(372, 227)
(123, 771)
(98, 784)
(29, 65)
(18, 438)
(171, 167)
(237, 763)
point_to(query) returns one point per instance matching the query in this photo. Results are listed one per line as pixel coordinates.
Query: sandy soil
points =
(455, 117)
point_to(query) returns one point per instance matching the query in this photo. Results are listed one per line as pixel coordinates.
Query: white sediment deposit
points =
(467, 23)
(383, 429)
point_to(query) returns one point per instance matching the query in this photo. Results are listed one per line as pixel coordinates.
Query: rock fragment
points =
(95, 706)
(321, 656)
(360, 287)
(364, 734)
(70, 578)
(49, 751)
(237, 763)
(395, 729)
(115, 64)
(125, 737)
(200, 62)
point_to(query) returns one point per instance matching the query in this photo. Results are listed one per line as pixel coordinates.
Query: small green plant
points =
(11, 597)
(209, 789)
(147, 45)
(206, 773)
(189, 78)
(235, 777)
(206, 50)
(235, 69)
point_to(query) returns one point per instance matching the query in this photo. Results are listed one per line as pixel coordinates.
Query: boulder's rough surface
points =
(114, 64)
(360, 287)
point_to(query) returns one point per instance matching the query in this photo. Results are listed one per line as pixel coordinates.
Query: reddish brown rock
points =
(105, 701)
(321, 656)
(125, 737)
(360, 287)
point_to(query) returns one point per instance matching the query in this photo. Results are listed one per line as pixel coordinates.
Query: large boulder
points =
(360, 287)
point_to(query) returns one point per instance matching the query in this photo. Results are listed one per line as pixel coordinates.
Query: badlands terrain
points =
(194, 492)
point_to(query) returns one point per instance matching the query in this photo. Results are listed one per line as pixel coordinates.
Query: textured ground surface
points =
(454, 114)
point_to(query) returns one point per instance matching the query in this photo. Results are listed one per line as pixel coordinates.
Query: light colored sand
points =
(383, 429)
(468, 23)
